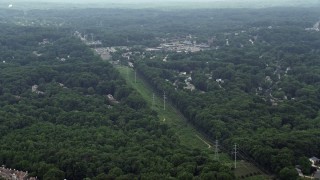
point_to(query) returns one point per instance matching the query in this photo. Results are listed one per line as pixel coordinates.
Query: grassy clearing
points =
(246, 170)
(187, 134)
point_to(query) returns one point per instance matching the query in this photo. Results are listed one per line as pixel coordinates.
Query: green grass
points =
(257, 177)
(186, 133)
(249, 171)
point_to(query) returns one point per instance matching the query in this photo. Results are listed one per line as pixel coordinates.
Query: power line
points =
(135, 76)
(153, 101)
(240, 153)
(127, 72)
(235, 155)
(216, 150)
(164, 100)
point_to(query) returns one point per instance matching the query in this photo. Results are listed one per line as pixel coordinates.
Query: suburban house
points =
(314, 160)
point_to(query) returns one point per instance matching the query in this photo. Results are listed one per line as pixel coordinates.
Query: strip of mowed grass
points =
(187, 134)
(246, 170)
(170, 116)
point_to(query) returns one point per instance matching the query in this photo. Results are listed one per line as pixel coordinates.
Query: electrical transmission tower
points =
(153, 101)
(127, 67)
(164, 100)
(216, 150)
(235, 155)
(135, 76)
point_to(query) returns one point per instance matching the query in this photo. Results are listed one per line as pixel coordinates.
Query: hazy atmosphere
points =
(175, 4)
(157, 90)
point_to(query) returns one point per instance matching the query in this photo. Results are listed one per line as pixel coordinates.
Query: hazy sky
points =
(153, 1)
(149, 1)
(171, 3)
(118, 1)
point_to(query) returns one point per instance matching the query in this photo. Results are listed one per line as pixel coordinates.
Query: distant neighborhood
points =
(186, 44)
(13, 174)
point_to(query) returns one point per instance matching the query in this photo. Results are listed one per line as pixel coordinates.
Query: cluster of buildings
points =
(34, 89)
(315, 163)
(36, 53)
(44, 42)
(112, 100)
(13, 174)
(105, 52)
(189, 86)
(316, 27)
(187, 44)
(84, 38)
(187, 82)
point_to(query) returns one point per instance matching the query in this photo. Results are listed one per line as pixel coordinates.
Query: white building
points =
(314, 160)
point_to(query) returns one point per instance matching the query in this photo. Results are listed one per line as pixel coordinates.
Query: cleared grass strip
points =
(186, 133)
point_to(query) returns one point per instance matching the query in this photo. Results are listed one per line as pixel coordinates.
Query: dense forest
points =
(127, 27)
(57, 120)
(65, 113)
(259, 90)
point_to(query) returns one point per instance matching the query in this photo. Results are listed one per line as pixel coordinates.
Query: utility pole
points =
(92, 37)
(216, 151)
(135, 76)
(164, 100)
(128, 72)
(235, 155)
(153, 100)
